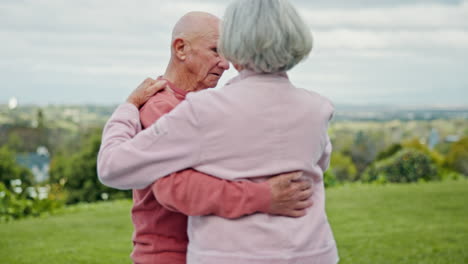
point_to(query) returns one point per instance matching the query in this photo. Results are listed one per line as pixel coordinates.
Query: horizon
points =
(338, 106)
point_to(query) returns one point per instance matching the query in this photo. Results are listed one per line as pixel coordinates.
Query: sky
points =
(397, 52)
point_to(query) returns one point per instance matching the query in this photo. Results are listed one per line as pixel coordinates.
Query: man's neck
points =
(180, 78)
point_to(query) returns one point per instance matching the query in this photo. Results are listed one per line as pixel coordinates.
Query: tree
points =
(10, 170)
(78, 173)
(390, 151)
(14, 142)
(457, 158)
(363, 150)
(417, 145)
(343, 167)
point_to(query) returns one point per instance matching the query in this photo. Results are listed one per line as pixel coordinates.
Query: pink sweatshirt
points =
(258, 124)
(160, 234)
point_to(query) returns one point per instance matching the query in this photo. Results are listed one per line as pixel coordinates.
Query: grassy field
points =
(415, 223)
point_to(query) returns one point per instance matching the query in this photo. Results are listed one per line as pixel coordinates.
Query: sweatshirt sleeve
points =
(193, 193)
(131, 160)
(324, 161)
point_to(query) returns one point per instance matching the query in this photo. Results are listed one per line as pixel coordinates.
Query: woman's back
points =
(259, 125)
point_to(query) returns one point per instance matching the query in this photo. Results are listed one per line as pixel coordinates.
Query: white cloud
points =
(119, 42)
(386, 39)
(420, 16)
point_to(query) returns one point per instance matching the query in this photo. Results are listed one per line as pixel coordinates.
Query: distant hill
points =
(66, 116)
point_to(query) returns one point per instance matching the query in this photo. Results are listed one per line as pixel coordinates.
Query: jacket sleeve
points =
(131, 160)
(193, 193)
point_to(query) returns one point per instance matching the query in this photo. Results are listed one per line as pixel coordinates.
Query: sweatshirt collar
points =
(180, 93)
(244, 74)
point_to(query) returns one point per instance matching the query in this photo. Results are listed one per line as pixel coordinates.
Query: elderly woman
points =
(258, 124)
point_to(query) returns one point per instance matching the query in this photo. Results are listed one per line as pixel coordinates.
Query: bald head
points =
(195, 63)
(194, 25)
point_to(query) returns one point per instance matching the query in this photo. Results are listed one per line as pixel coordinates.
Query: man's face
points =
(204, 62)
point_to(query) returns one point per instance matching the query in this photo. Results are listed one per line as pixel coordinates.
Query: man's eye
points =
(215, 50)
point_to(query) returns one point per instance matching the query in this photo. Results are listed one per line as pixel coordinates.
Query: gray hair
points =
(265, 36)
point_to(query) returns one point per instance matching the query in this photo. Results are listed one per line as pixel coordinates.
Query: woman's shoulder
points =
(317, 100)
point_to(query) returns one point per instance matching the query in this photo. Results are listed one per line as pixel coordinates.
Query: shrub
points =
(342, 167)
(329, 178)
(417, 145)
(15, 205)
(408, 165)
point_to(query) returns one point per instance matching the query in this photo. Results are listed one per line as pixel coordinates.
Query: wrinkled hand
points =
(145, 90)
(290, 194)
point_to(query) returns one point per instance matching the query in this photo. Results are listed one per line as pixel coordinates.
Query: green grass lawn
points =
(414, 223)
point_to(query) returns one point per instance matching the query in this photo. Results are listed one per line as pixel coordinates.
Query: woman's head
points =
(265, 36)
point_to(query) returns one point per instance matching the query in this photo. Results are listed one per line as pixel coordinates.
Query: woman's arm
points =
(129, 160)
(194, 193)
(324, 161)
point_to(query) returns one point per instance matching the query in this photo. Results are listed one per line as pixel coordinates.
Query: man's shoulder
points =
(164, 100)
(159, 104)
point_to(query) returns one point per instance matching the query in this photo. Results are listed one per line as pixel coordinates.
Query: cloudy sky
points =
(404, 52)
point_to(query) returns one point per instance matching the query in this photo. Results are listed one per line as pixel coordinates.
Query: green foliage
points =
(14, 142)
(78, 174)
(417, 145)
(449, 174)
(364, 149)
(10, 170)
(343, 167)
(329, 178)
(408, 165)
(18, 204)
(16, 186)
(390, 151)
(457, 158)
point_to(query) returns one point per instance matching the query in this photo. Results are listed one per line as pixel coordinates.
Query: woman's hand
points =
(290, 194)
(145, 90)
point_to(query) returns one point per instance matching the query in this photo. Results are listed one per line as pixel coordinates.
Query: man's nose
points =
(223, 63)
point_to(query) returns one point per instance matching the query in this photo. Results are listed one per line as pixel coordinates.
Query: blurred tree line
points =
(72, 175)
(77, 173)
(370, 156)
(362, 152)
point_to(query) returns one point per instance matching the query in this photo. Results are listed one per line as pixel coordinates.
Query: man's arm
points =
(194, 193)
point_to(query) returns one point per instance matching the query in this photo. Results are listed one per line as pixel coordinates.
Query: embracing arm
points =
(129, 160)
(193, 193)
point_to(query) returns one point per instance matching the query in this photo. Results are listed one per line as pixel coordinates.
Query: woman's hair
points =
(264, 36)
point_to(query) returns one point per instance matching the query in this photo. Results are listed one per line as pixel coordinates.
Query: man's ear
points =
(180, 47)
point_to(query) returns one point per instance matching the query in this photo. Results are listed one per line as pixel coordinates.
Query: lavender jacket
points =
(256, 125)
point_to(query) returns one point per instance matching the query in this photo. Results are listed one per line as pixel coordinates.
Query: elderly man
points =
(160, 232)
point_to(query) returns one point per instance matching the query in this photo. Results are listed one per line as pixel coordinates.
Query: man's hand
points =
(290, 194)
(145, 90)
